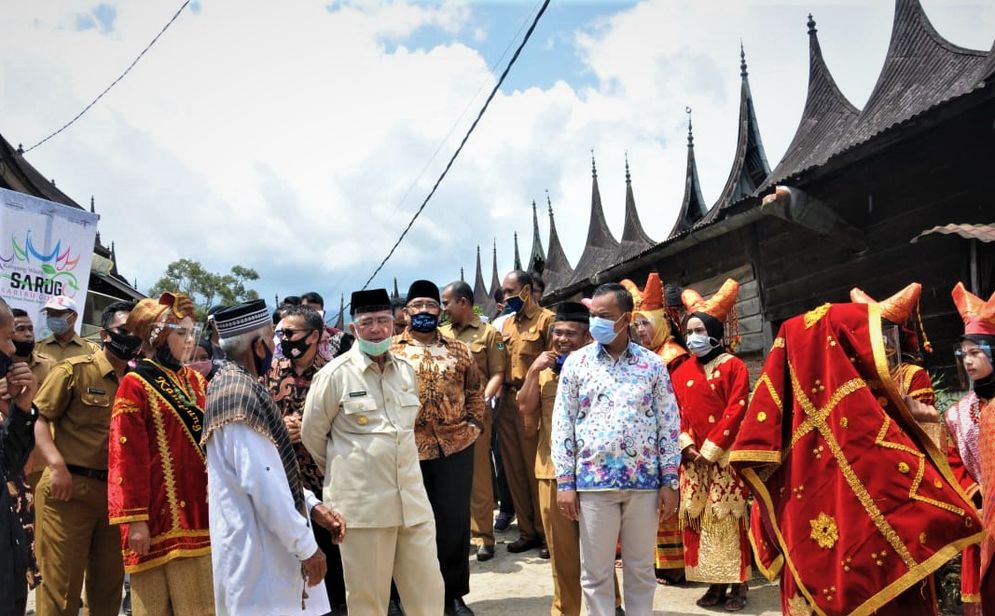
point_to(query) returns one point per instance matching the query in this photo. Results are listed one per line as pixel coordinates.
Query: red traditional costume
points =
(649, 305)
(712, 397)
(156, 469)
(850, 493)
(972, 423)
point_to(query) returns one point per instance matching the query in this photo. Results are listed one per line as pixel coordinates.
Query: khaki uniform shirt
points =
(452, 397)
(41, 365)
(359, 427)
(548, 382)
(486, 346)
(526, 335)
(76, 347)
(76, 399)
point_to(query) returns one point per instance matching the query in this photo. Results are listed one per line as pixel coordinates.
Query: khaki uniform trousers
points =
(482, 494)
(181, 586)
(371, 556)
(519, 438)
(563, 540)
(72, 538)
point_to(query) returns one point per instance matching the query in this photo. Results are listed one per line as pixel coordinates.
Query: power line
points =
(457, 121)
(466, 137)
(115, 82)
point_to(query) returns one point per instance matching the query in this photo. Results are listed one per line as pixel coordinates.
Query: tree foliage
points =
(206, 288)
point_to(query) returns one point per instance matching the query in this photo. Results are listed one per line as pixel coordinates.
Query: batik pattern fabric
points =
(964, 457)
(289, 390)
(24, 507)
(615, 422)
(450, 391)
(712, 511)
(156, 468)
(986, 423)
(826, 418)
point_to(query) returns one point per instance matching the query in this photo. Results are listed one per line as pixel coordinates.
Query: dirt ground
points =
(522, 585)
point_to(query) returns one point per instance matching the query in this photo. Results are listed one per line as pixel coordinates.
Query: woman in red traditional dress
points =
(656, 331)
(712, 389)
(157, 478)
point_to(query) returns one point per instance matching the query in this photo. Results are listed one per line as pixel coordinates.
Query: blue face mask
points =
(424, 322)
(58, 325)
(513, 304)
(374, 349)
(700, 344)
(603, 330)
(560, 360)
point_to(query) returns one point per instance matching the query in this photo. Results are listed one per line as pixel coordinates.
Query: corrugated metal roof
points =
(693, 206)
(601, 248)
(634, 238)
(558, 271)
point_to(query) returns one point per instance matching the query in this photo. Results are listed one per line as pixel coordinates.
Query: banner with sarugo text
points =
(45, 250)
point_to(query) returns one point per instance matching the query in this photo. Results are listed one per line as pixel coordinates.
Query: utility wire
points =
(452, 129)
(466, 137)
(115, 82)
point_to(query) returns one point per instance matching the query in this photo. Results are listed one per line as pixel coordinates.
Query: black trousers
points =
(334, 580)
(448, 482)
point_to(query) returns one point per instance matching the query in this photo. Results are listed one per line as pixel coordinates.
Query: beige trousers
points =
(179, 587)
(371, 556)
(605, 517)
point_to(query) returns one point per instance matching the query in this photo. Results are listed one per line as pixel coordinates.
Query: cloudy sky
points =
(299, 137)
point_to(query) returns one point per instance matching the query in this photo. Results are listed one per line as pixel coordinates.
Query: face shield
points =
(183, 338)
(892, 346)
(974, 361)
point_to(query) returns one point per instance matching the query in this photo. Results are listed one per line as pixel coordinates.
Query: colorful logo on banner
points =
(33, 274)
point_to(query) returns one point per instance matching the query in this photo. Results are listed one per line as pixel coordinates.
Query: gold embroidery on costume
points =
(798, 606)
(812, 316)
(818, 419)
(824, 531)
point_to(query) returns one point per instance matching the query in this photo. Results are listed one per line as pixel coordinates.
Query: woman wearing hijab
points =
(656, 331)
(712, 389)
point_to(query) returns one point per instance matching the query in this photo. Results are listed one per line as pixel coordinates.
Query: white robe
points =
(258, 538)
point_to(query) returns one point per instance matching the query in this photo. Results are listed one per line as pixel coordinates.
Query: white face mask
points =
(700, 344)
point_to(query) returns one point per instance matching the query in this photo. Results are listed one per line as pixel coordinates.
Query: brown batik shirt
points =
(289, 391)
(450, 391)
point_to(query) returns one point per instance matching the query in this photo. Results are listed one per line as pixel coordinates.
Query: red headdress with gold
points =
(721, 306)
(149, 317)
(898, 309)
(978, 315)
(633, 289)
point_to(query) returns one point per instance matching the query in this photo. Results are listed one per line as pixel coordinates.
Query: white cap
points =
(61, 302)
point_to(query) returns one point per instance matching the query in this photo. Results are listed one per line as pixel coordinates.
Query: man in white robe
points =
(266, 561)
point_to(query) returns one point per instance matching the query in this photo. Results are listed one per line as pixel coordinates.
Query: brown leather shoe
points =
(524, 545)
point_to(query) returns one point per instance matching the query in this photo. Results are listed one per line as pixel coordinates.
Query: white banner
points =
(45, 250)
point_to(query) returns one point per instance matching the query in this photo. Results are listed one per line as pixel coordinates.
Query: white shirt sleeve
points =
(260, 473)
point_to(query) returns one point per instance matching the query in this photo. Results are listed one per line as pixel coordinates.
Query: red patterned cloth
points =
(712, 398)
(156, 469)
(827, 419)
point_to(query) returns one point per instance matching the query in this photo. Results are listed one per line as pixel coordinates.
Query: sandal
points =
(715, 595)
(737, 600)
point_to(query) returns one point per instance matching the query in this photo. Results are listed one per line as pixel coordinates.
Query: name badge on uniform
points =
(96, 391)
(357, 394)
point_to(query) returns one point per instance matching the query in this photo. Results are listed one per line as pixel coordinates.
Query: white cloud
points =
(283, 136)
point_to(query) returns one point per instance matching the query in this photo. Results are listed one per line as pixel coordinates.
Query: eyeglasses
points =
(420, 305)
(374, 321)
(287, 333)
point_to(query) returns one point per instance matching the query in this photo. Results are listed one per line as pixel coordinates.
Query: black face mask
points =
(262, 363)
(125, 347)
(295, 349)
(5, 363)
(424, 322)
(24, 349)
(165, 357)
